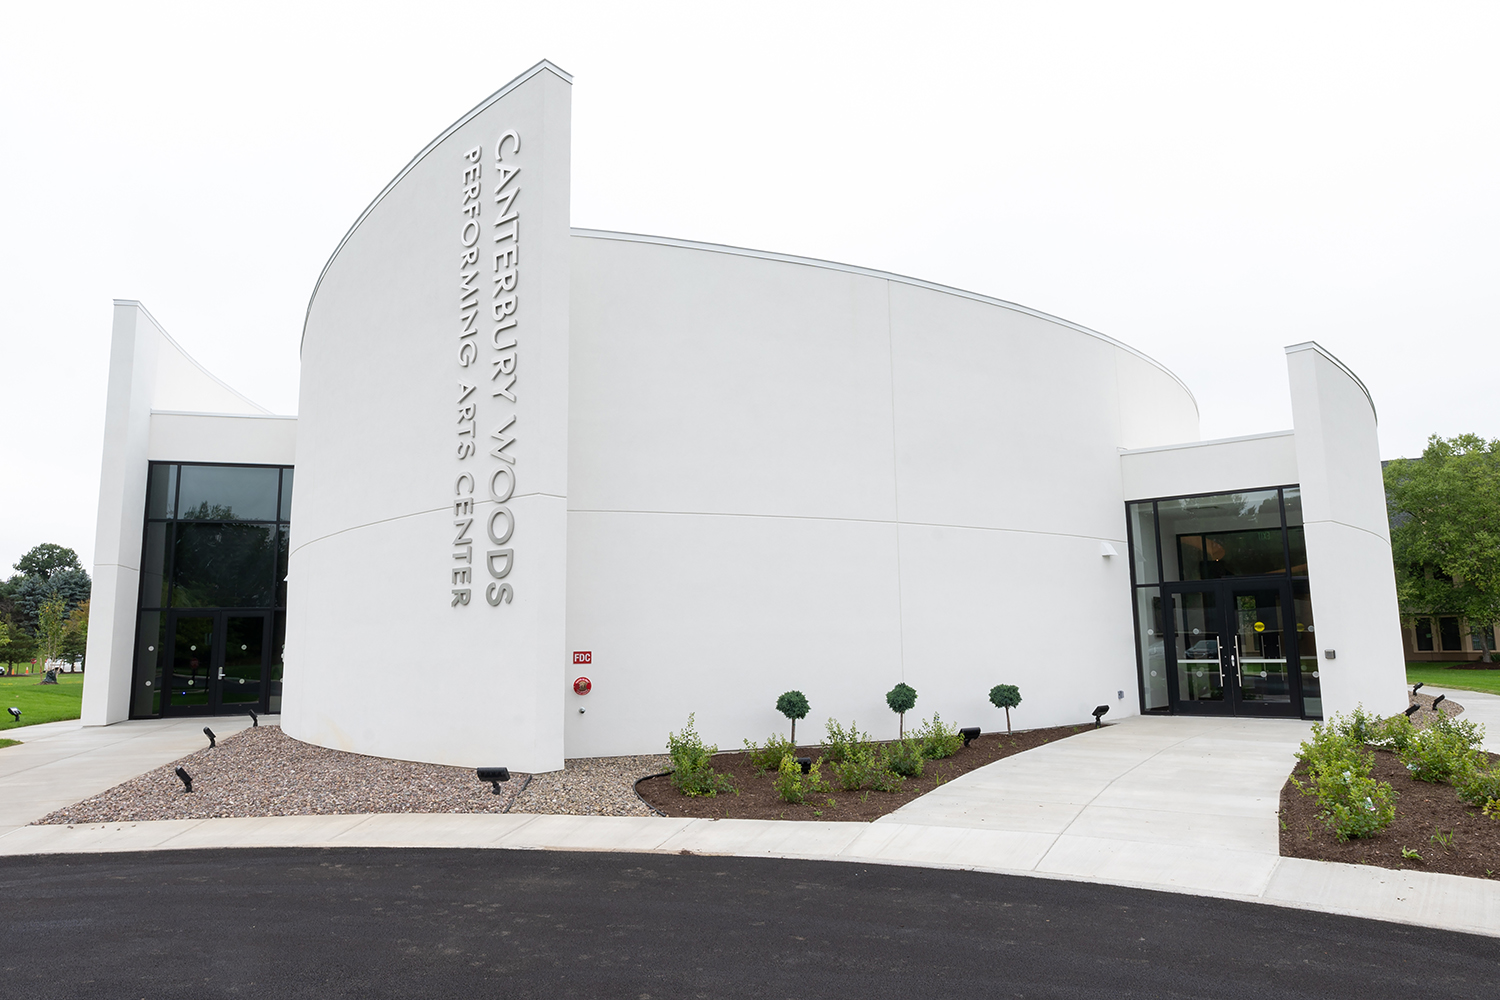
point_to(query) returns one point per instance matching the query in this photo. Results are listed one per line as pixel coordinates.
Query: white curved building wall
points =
(790, 475)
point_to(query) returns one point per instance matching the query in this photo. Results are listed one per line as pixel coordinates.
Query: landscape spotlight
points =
(1412, 710)
(210, 734)
(16, 712)
(254, 719)
(1438, 701)
(494, 775)
(1416, 687)
(187, 780)
(805, 763)
(970, 734)
(1100, 711)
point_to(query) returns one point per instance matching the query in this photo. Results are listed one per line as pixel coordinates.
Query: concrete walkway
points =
(59, 763)
(1183, 805)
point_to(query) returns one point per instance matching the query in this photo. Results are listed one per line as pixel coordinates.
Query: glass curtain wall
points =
(1196, 540)
(214, 562)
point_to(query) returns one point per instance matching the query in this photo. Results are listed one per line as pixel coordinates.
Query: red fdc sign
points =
(584, 657)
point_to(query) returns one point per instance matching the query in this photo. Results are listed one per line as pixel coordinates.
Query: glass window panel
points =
(1481, 638)
(286, 494)
(228, 493)
(244, 661)
(282, 538)
(1448, 631)
(1292, 500)
(1260, 646)
(154, 565)
(1143, 542)
(278, 640)
(224, 566)
(192, 659)
(161, 490)
(1152, 640)
(1231, 534)
(1307, 650)
(145, 693)
(1424, 635)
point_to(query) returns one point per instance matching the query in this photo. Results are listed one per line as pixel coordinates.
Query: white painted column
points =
(1349, 565)
(134, 345)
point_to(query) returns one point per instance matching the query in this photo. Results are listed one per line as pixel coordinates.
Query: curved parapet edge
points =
(870, 272)
(543, 66)
(1313, 345)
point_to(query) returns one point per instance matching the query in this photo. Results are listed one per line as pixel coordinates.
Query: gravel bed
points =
(263, 772)
(591, 786)
(1424, 713)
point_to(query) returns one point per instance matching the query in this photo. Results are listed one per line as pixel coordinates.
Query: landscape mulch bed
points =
(757, 798)
(1424, 813)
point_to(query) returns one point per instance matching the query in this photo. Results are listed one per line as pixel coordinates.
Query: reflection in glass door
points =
(192, 663)
(1260, 654)
(1196, 626)
(244, 660)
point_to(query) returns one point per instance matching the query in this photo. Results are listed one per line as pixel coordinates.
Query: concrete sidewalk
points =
(1183, 805)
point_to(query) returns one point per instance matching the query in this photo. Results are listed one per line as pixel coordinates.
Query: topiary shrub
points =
(939, 741)
(768, 757)
(691, 773)
(902, 698)
(1006, 696)
(793, 705)
(1351, 803)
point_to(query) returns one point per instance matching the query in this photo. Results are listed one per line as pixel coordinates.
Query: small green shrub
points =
(691, 773)
(840, 744)
(789, 781)
(1395, 734)
(905, 757)
(1445, 750)
(1478, 783)
(938, 741)
(768, 757)
(1359, 726)
(1351, 803)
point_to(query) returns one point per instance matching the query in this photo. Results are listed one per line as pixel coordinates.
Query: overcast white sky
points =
(1205, 182)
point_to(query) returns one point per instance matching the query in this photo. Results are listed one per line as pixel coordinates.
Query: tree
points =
(51, 628)
(793, 705)
(76, 638)
(1006, 696)
(72, 585)
(1444, 513)
(902, 698)
(46, 559)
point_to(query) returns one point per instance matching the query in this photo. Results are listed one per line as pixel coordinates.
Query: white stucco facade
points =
(720, 473)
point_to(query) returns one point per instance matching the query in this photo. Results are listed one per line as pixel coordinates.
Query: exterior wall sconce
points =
(1107, 550)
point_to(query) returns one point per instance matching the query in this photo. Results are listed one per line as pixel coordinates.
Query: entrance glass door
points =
(1229, 650)
(218, 663)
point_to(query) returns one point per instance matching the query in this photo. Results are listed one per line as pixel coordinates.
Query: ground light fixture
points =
(1412, 710)
(254, 719)
(494, 775)
(1416, 687)
(1438, 701)
(210, 734)
(805, 763)
(970, 734)
(16, 712)
(187, 780)
(1098, 714)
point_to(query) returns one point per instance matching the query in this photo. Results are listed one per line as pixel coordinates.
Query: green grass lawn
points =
(40, 702)
(1443, 675)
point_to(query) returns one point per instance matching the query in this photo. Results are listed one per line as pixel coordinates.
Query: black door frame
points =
(220, 617)
(1233, 704)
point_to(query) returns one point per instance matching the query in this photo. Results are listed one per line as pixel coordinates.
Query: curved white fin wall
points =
(426, 619)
